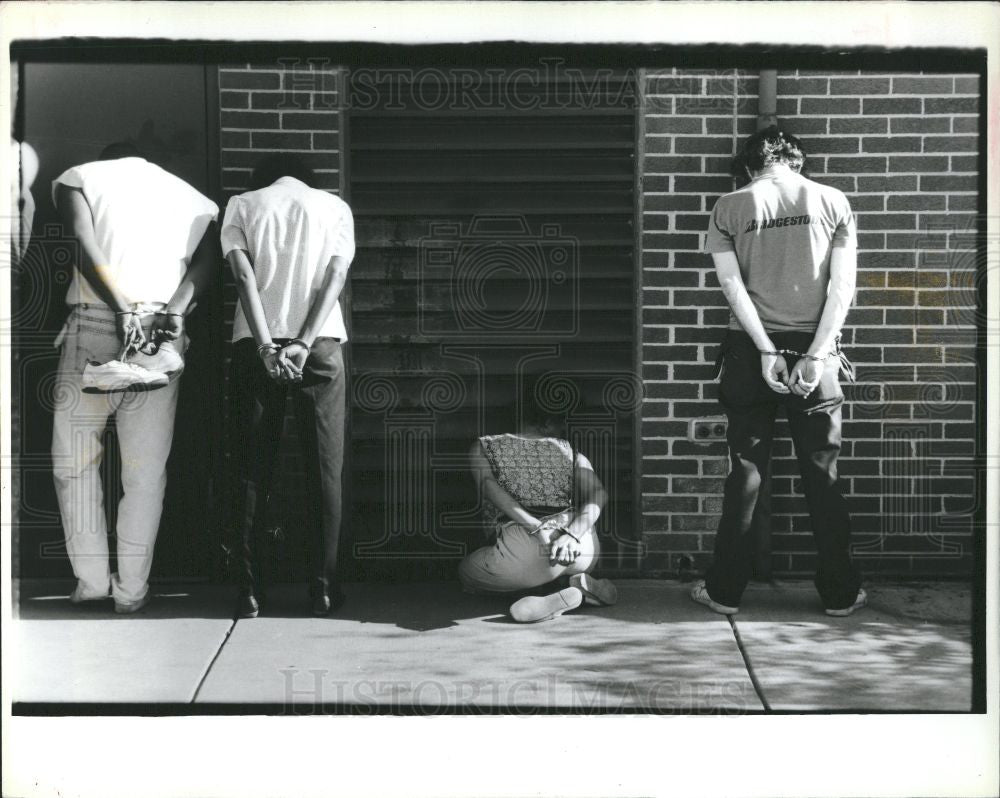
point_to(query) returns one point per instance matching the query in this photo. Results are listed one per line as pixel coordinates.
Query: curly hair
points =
(767, 147)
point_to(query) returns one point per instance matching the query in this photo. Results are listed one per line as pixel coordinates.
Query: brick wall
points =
(291, 105)
(904, 148)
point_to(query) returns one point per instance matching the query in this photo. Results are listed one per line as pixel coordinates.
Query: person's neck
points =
(774, 170)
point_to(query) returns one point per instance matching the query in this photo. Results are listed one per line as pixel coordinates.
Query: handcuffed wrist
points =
(565, 531)
(267, 348)
(301, 343)
(806, 355)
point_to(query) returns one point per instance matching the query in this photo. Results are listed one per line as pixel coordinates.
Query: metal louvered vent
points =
(494, 223)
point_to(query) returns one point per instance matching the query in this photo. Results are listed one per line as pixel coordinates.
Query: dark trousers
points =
(257, 411)
(814, 421)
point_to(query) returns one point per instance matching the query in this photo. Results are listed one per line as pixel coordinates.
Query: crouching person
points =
(544, 499)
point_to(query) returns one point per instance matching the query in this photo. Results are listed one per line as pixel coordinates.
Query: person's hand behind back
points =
(774, 370)
(806, 375)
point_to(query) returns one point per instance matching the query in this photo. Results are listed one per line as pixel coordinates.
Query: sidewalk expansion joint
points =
(208, 669)
(749, 664)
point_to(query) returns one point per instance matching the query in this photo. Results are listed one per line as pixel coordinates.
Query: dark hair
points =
(281, 164)
(767, 147)
(545, 403)
(119, 149)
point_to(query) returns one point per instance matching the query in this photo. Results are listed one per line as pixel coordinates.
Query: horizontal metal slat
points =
(402, 145)
(418, 225)
(525, 115)
(437, 183)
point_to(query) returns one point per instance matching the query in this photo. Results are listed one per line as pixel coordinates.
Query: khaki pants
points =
(519, 561)
(145, 425)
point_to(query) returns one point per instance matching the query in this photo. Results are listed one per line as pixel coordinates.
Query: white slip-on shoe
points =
(859, 602)
(116, 377)
(699, 593)
(532, 609)
(128, 607)
(164, 359)
(78, 596)
(600, 592)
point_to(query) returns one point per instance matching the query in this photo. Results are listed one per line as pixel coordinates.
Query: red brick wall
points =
(904, 148)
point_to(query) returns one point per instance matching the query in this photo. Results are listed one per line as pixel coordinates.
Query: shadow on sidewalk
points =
(48, 600)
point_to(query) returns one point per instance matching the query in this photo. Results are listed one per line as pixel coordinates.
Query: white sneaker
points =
(165, 360)
(859, 602)
(115, 377)
(601, 592)
(532, 609)
(699, 593)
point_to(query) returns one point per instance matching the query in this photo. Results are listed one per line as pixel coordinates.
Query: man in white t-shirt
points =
(147, 245)
(290, 247)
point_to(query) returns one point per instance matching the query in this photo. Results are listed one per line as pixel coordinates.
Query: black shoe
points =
(325, 599)
(248, 606)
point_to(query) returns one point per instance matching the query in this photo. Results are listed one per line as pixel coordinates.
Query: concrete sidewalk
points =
(429, 645)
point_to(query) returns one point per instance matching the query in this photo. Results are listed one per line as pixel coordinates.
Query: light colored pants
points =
(519, 561)
(145, 425)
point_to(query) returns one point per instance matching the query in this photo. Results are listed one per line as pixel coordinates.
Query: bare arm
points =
(843, 281)
(590, 499)
(276, 366)
(482, 474)
(246, 288)
(199, 272)
(564, 546)
(169, 324)
(333, 283)
(773, 367)
(727, 268)
(92, 263)
(334, 280)
(808, 371)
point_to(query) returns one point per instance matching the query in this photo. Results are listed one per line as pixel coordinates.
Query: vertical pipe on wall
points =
(767, 98)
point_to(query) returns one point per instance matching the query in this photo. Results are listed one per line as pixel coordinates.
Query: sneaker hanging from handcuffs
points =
(143, 367)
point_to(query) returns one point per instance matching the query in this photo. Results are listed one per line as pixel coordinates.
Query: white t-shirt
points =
(147, 221)
(290, 232)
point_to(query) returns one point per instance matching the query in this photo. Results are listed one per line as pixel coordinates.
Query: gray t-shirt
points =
(783, 228)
